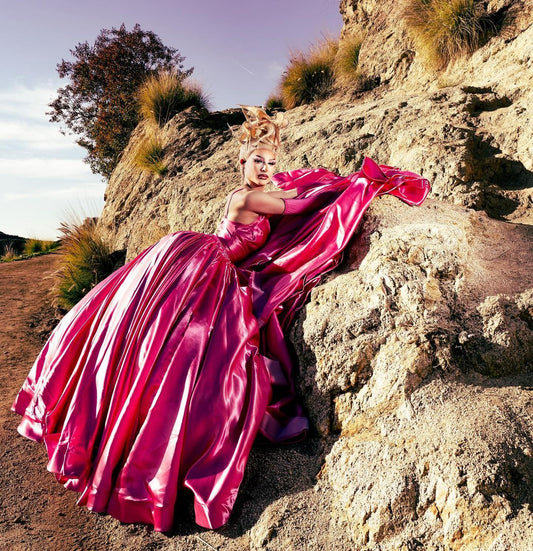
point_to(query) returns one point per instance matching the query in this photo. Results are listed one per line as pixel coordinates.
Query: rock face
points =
(416, 354)
(140, 208)
(430, 453)
(468, 140)
(466, 129)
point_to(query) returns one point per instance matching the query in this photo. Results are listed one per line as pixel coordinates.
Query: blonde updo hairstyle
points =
(257, 131)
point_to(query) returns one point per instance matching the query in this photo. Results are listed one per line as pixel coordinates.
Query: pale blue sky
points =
(238, 50)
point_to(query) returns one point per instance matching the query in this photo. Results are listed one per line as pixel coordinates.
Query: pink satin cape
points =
(162, 376)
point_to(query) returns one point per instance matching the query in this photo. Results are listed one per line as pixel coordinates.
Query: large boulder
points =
(416, 369)
(419, 364)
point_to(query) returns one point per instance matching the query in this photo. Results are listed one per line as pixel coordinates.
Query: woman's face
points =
(259, 167)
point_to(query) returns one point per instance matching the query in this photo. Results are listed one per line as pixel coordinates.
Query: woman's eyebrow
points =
(262, 158)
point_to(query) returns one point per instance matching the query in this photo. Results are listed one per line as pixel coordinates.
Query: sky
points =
(238, 50)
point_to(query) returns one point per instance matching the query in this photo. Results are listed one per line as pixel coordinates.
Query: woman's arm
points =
(245, 206)
(262, 203)
(284, 203)
(290, 194)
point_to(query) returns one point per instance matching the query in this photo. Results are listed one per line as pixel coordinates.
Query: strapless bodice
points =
(240, 239)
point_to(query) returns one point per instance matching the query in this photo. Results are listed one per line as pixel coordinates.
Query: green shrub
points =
(164, 95)
(150, 155)
(443, 30)
(85, 261)
(50, 245)
(33, 246)
(274, 102)
(36, 246)
(309, 77)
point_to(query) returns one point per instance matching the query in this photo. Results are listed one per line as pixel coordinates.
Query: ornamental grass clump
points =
(150, 155)
(274, 102)
(37, 246)
(346, 65)
(9, 253)
(443, 30)
(309, 77)
(85, 261)
(165, 94)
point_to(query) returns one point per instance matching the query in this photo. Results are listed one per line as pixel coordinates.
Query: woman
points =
(162, 376)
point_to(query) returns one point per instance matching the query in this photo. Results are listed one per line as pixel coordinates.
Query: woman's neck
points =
(255, 187)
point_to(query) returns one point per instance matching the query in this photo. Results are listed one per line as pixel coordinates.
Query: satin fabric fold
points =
(299, 250)
(160, 379)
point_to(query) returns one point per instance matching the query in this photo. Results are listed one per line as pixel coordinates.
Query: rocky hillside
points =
(467, 125)
(416, 355)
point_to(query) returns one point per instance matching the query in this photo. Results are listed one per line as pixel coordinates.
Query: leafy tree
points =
(100, 102)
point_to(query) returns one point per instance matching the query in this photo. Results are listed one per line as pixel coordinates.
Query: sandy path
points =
(37, 513)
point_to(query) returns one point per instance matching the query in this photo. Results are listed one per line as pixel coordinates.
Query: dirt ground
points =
(39, 514)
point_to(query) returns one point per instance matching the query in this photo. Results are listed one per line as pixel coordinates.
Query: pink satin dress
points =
(162, 376)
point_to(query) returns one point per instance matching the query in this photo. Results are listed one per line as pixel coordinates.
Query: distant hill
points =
(15, 241)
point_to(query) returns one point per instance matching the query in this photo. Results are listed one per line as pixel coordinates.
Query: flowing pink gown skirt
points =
(152, 383)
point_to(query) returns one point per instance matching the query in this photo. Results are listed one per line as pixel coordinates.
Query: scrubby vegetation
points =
(86, 260)
(150, 155)
(328, 67)
(346, 64)
(34, 246)
(9, 253)
(274, 102)
(160, 98)
(165, 94)
(309, 77)
(26, 248)
(443, 30)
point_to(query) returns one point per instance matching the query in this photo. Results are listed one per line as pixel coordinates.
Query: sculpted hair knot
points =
(259, 130)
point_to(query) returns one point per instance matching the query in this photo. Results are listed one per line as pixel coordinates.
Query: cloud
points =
(45, 169)
(41, 171)
(24, 125)
(31, 147)
(32, 135)
(26, 102)
(77, 191)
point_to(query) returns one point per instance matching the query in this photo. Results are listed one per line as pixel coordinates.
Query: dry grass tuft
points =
(444, 30)
(150, 155)
(9, 253)
(165, 94)
(309, 77)
(274, 102)
(347, 60)
(85, 261)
